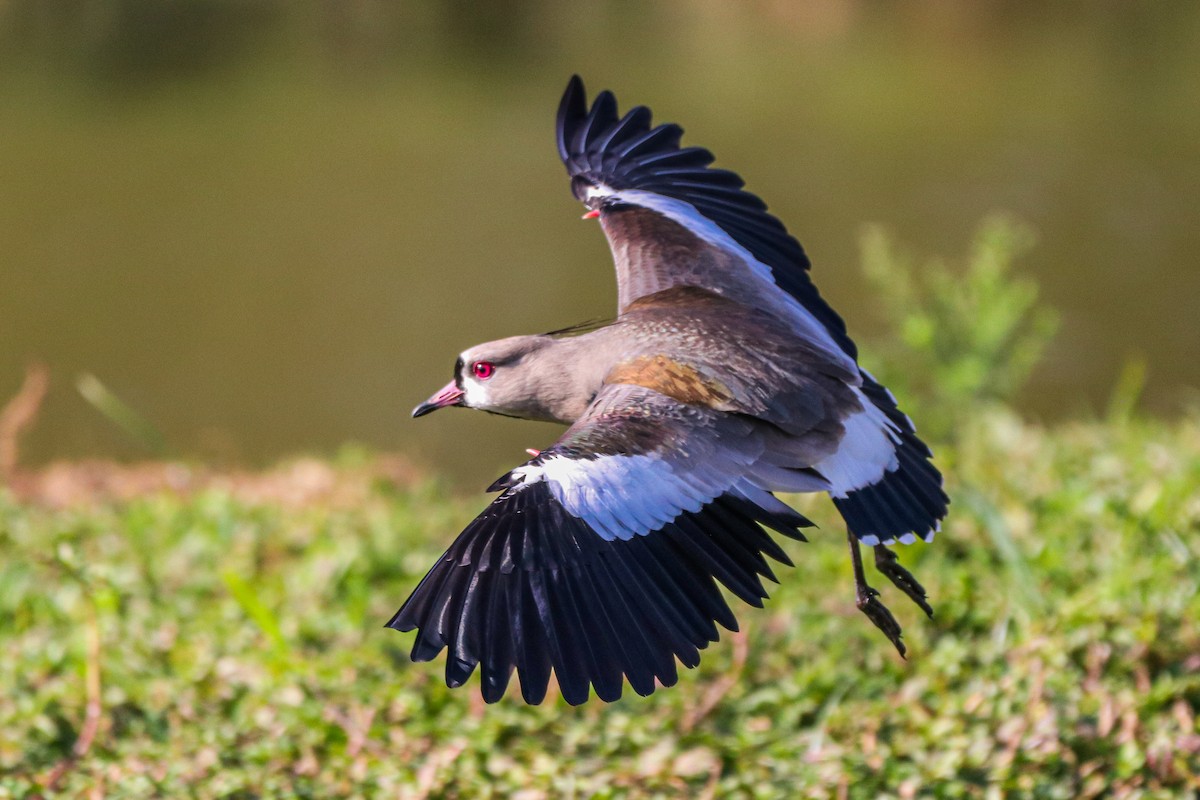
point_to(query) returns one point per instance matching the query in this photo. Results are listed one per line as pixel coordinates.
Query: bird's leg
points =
(887, 563)
(867, 599)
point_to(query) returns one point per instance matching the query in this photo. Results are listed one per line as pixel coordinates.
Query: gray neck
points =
(566, 374)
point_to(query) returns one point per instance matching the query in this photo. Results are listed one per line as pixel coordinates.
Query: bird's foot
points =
(887, 563)
(868, 602)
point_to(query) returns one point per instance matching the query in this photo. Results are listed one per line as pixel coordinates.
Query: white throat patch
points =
(475, 394)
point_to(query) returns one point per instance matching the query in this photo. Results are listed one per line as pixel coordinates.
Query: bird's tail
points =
(907, 500)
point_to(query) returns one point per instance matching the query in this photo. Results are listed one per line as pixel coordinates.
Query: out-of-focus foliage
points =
(268, 226)
(241, 651)
(233, 647)
(967, 333)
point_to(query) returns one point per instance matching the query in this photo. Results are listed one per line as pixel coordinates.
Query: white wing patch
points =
(620, 497)
(867, 450)
(599, 190)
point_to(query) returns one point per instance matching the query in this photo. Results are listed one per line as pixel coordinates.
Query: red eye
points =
(483, 369)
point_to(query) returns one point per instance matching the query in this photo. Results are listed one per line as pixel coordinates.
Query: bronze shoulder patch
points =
(669, 377)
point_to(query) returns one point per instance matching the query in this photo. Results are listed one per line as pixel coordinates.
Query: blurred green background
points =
(269, 227)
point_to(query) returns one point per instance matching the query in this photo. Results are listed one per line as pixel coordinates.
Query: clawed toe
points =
(887, 563)
(868, 602)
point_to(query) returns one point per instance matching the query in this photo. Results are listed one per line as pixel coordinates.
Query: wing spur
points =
(628, 160)
(603, 557)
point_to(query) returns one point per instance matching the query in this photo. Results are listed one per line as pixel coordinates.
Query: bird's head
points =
(501, 377)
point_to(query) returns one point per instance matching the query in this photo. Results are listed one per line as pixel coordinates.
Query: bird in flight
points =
(724, 379)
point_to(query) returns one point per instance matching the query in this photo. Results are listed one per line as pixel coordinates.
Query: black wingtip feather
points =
(635, 122)
(528, 588)
(572, 107)
(630, 154)
(598, 122)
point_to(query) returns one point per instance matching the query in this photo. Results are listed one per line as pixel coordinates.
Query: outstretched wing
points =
(601, 558)
(671, 219)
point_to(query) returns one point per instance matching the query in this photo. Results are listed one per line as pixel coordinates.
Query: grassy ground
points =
(168, 631)
(229, 643)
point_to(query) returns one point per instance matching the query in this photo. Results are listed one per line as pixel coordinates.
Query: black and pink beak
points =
(448, 395)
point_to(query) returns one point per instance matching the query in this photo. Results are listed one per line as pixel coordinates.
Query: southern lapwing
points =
(724, 378)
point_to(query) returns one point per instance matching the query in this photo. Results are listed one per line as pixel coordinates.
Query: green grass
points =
(211, 644)
(239, 649)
